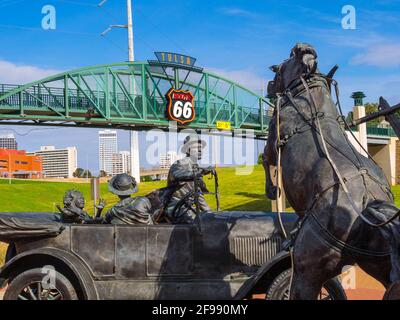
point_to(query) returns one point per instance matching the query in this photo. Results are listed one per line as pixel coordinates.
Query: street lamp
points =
(111, 27)
(131, 56)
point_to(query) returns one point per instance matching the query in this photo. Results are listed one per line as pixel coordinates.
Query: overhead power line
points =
(87, 4)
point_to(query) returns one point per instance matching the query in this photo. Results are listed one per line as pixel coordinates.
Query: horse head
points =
(302, 62)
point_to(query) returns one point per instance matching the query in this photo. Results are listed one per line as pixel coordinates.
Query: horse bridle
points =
(330, 239)
(318, 129)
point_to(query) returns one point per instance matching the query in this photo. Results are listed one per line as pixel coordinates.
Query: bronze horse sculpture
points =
(344, 202)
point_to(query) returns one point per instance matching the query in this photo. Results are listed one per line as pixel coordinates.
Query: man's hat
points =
(122, 185)
(190, 141)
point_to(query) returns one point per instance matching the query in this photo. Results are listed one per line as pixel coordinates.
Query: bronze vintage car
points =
(222, 255)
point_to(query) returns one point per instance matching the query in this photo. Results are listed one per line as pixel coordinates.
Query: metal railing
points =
(104, 95)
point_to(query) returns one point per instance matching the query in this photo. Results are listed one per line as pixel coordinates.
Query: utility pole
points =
(134, 135)
(131, 52)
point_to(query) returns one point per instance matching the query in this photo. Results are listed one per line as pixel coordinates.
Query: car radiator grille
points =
(254, 250)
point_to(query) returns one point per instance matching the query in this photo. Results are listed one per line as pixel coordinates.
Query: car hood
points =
(249, 223)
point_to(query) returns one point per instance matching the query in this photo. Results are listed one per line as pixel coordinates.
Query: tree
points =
(86, 174)
(349, 117)
(260, 159)
(102, 173)
(82, 173)
(78, 172)
(371, 108)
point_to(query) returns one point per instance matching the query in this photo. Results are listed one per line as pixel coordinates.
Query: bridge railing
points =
(373, 130)
(378, 131)
(131, 93)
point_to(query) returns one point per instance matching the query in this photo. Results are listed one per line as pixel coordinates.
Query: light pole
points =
(131, 52)
(9, 168)
(134, 136)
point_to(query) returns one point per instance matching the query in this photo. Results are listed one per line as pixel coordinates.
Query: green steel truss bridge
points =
(131, 95)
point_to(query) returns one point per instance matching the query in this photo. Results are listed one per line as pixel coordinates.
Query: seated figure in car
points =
(74, 204)
(128, 210)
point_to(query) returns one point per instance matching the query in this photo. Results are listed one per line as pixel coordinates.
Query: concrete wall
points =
(382, 149)
(385, 156)
(356, 134)
(359, 112)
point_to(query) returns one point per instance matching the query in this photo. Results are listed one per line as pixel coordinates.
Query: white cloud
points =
(11, 73)
(383, 55)
(237, 12)
(245, 77)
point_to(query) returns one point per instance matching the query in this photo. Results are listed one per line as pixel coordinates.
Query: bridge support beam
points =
(134, 148)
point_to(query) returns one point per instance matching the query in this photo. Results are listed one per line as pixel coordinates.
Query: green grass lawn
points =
(237, 192)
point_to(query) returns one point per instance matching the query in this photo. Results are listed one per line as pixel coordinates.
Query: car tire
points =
(28, 284)
(279, 288)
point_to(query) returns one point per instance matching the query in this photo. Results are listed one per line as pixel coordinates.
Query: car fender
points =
(267, 272)
(52, 256)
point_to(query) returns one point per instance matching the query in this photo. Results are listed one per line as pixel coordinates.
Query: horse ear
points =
(274, 68)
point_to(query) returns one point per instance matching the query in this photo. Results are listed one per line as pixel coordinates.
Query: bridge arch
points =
(131, 95)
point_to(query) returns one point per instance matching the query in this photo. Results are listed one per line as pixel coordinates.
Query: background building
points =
(8, 141)
(108, 147)
(167, 159)
(121, 162)
(58, 163)
(17, 164)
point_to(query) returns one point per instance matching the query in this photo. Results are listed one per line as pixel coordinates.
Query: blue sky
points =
(239, 39)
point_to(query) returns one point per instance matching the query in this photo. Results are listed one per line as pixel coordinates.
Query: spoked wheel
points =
(35, 291)
(29, 285)
(279, 289)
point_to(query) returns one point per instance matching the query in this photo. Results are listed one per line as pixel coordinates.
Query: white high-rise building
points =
(126, 161)
(8, 141)
(167, 159)
(57, 163)
(108, 147)
(121, 162)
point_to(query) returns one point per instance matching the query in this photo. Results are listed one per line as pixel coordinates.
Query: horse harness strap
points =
(305, 127)
(361, 172)
(333, 242)
(327, 237)
(318, 129)
(309, 126)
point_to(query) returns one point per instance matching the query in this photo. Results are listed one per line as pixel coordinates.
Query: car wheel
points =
(279, 289)
(29, 286)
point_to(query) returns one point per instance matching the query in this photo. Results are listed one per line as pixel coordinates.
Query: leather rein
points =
(300, 86)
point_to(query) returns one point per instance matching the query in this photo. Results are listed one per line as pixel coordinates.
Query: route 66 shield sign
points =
(180, 106)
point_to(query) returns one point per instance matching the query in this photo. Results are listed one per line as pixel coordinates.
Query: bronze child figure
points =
(74, 204)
